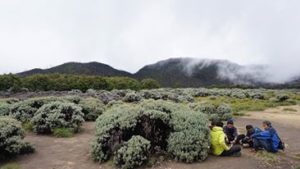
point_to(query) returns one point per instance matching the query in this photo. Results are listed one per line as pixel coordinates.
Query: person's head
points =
(266, 124)
(220, 124)
(216, 122)
(230, 123)
(249, 127)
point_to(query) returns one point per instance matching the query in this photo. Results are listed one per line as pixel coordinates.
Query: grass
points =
(240, 105)
(290, 109)
(268, 158)
(239, 113)
(297, 156)
(11, 166)
(27, 126)
(63, 132)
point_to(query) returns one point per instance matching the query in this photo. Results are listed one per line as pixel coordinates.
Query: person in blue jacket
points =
(267, 139)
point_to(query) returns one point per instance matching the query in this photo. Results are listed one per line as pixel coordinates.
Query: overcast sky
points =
(127, 34)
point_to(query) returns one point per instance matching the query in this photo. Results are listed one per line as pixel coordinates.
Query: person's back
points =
(218, 140)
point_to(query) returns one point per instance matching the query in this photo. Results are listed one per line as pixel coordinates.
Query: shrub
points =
(150, 84)
(4, 109)
(221, 111)
(132, 97)
(25, 110)
(282, 97)
(133, 153)
(11, 139)
(161, 122)
(63, 132)
(57, 115)
(92, 108)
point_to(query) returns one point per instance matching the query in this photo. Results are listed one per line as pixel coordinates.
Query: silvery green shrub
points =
(282, 97)
(57, 115)
(4, 109)
(157, 121)
(238, 93)
(132, 97)
(133, 153)
(222, 111)
(25, 110)
(11, 139)
(92, 108)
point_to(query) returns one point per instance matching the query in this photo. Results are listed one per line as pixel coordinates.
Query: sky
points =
(128, 34)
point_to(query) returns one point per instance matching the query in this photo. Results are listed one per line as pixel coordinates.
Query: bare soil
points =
(73, 153)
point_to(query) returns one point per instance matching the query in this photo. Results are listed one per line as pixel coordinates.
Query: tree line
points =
(65, 82)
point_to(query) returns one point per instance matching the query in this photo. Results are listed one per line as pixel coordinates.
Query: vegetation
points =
(63, 82)
(57, 115)
(133, 153)
(11, 139)
(63, 132)
(91, 107)
(11, 166)
(171, 128)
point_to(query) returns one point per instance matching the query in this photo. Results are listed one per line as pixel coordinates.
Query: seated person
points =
(246, 139)
(231, 132)
(218, 144)
(268, 139)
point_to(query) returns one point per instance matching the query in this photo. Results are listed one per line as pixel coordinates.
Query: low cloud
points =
(130, 34)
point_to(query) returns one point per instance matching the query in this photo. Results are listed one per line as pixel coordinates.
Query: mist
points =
(130, 34)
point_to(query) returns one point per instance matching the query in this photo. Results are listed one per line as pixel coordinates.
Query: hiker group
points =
(225, 140)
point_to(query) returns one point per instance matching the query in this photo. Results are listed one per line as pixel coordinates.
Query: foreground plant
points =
(11, 139)
(176, 130)
(57, 115)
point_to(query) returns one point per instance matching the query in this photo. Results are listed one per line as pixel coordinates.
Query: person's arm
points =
(223, 143)
(262, 135)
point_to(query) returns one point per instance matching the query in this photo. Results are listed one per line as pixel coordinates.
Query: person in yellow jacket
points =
(218, 144)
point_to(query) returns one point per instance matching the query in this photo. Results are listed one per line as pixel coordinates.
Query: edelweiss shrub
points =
(25, 110)
(133, 153)
(92, 108)
(281, 97)
(132, 97)
(57, 115)
(222, 111)
(11, 139)
(163, 123)
(238, 93)
(4, 109)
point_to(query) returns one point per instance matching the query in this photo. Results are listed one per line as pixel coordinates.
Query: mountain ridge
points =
(174, 72)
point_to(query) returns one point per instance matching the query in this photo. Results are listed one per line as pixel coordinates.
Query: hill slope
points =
(189, 72)
(92, 68)
(177, 72)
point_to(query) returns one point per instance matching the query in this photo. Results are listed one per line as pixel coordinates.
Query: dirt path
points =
(73, 153)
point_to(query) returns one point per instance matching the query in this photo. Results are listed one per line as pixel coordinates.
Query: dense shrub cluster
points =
(11, 139)
(91, 107)
(133, 153)
(57, 115)
(168, 127)
(132, 97)
(25, 110)
(63, 82)
(222, 111)
(4, 109)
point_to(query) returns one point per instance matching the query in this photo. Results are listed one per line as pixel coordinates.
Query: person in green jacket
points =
(218, 144)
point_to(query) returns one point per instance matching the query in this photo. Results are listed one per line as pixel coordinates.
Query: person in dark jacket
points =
(246, 140)
(231, 132)
(268, 139)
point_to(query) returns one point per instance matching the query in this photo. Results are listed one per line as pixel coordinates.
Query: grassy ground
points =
(239, 106)
(11, 166)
